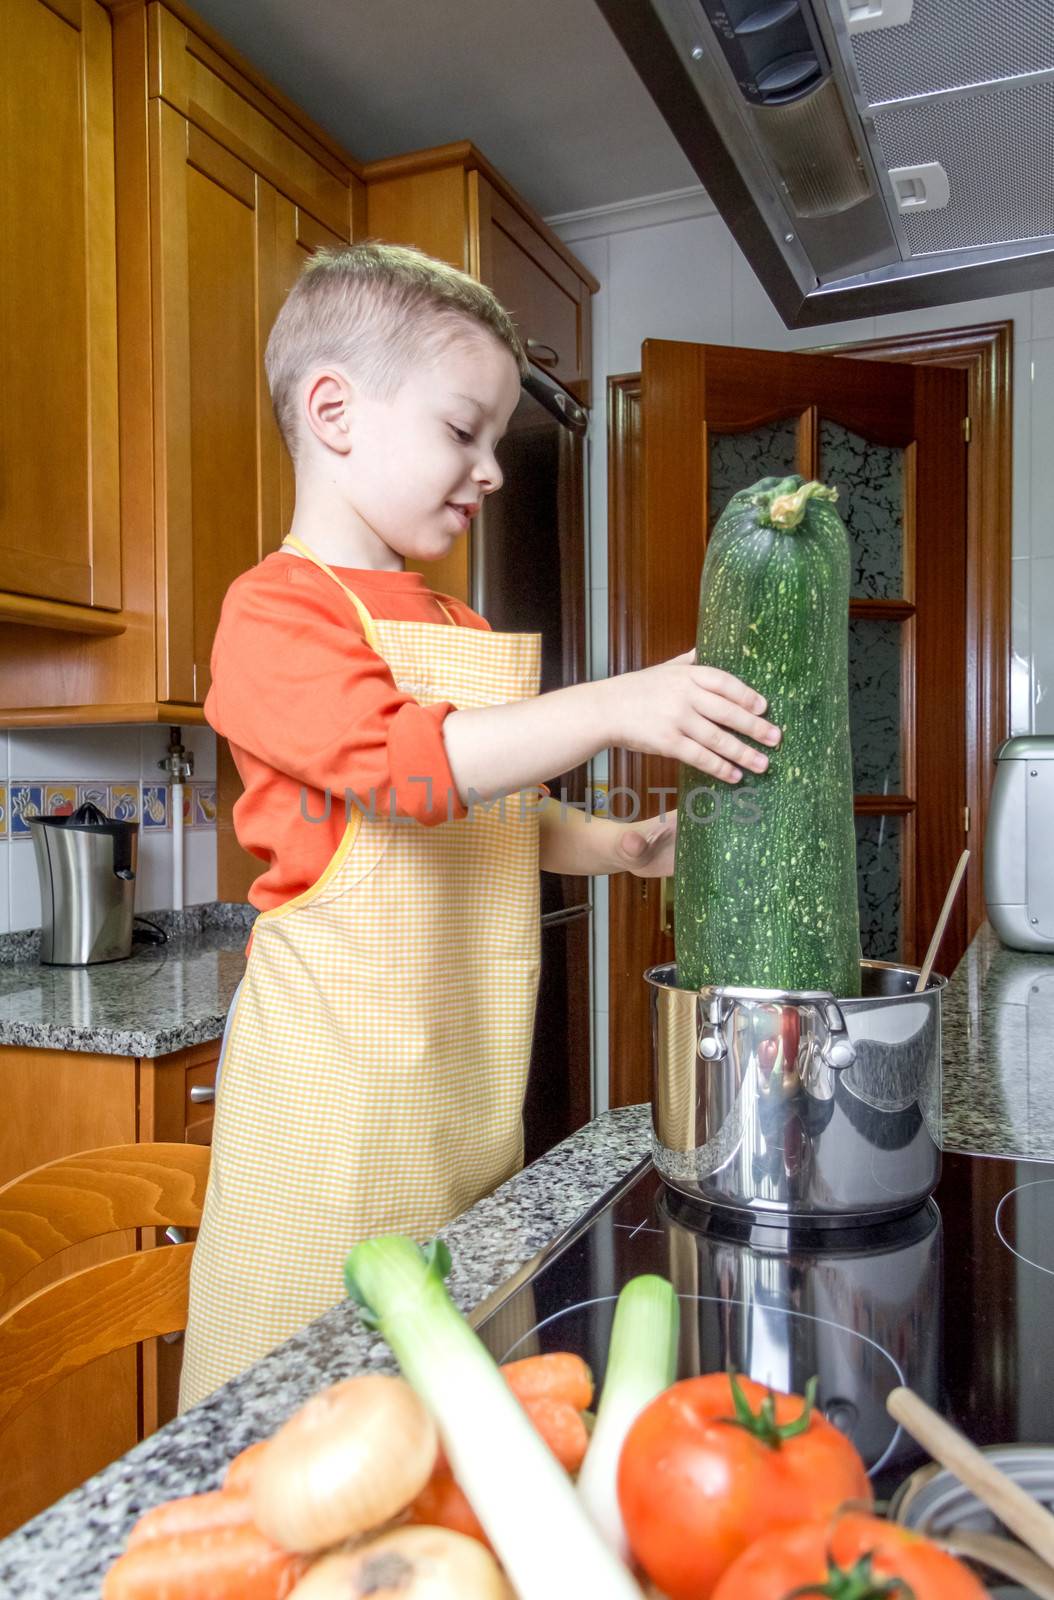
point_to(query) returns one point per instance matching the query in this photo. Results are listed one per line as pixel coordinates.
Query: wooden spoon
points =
(942, 923)
(1002, 1555)
(1014, 1507)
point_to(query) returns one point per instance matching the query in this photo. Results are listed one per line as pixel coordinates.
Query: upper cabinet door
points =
(228, 247)
(59, 531)
(548, 301)
(236, 187)
(207, 353)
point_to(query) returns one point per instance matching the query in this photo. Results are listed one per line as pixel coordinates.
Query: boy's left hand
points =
(646, 848)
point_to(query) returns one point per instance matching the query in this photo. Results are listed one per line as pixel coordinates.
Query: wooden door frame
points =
(985, 353)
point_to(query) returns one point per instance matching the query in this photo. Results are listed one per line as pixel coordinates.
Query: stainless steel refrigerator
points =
(529, 575)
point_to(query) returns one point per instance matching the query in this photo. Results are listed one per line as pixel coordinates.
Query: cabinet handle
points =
(544, 354)
(175, 1235)
(203, 1094)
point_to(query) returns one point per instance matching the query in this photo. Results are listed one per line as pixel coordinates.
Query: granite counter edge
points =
(68, 1547)
(105, 1041)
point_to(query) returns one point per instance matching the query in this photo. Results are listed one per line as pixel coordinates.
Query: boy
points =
(373, 1071)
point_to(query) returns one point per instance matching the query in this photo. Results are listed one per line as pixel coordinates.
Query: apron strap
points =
(363, 614)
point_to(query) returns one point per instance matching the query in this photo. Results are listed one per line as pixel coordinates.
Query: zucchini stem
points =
(784, 506)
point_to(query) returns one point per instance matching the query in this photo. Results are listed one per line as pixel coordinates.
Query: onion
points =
(348, 1461)
(407, 1564)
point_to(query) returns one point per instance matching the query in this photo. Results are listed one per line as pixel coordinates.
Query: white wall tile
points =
(199, 866)
(24, 890)
(1041, 518)
(597, 554)
(601, 1063)
(1043, 313)
(55, 753)
(757, 325)
(673, 282)
(1021, 489)
(4, 746)
(593, 254)
(598, 600)
(5, 873)
(601, 905)
(1043, 645)
(153, 879)
(1021, 648)
(962, 314)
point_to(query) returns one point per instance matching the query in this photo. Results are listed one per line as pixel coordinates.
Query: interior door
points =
(892, 437)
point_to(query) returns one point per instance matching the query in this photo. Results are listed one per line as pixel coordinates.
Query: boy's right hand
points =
(684, 711)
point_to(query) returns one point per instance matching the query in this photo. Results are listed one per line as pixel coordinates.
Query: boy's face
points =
(421, 463)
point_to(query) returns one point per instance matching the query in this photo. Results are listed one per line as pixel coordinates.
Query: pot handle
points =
(711, 1041)
(838, 1050)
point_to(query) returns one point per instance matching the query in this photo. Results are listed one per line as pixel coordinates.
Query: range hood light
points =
(812, 149)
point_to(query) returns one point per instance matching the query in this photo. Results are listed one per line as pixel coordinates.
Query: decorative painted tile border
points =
(145, 803)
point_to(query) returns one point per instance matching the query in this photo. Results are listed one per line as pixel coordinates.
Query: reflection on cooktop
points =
(1024, 1220)
(940, 1300)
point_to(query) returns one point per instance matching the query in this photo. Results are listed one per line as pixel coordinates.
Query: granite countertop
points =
(997, 1027)
(998, 1095)
(165, 997)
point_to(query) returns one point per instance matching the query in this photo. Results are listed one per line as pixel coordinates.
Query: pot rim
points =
(659, 978)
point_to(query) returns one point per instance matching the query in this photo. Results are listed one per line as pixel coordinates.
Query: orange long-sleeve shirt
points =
(310, 711)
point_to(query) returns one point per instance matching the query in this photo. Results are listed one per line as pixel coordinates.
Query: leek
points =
(642, 1362)
(547, 1543)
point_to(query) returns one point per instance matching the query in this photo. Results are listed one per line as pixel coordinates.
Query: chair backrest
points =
(109, 1305)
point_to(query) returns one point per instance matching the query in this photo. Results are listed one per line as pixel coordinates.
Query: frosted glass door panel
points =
(875, 705)
(878, 876)
(738, 460)
(870, 483)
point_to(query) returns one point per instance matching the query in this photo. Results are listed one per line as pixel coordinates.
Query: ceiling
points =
(542, 88)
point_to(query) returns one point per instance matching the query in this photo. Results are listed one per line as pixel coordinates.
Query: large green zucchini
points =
(765, 889)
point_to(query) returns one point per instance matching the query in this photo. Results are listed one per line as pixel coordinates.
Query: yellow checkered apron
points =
(376, 1060)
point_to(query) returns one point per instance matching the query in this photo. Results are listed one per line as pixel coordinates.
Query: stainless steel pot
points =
(792, 1104)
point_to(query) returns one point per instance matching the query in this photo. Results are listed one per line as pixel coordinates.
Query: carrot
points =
(442, 1503)
(562, 1428)
(195, 1512)
(233, 1563)
(242, 1468)
(557, 1376)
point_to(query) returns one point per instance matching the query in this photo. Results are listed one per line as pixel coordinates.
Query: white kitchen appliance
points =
(1019, 846)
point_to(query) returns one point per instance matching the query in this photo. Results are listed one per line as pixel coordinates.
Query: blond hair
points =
(378, 310)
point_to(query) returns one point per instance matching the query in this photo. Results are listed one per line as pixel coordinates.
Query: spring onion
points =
(514, 1484)
(642, 1362)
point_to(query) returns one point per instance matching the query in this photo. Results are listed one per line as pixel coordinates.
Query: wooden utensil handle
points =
(1012, 1505)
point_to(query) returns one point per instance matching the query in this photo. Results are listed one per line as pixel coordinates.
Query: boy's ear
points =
(328, 404)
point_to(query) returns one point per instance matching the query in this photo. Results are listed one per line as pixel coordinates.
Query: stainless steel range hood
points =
(867, 155)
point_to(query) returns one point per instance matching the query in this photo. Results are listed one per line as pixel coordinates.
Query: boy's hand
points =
(645, 848)
(692, 714)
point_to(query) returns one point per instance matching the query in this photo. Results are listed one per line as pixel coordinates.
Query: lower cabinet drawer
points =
(199, 1101)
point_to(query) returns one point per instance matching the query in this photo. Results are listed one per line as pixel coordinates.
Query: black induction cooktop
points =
(957, 1301)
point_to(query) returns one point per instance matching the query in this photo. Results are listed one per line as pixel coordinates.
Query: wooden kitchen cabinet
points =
(59, 511)
(57, 1102)
(238, 200)
(222, 189)
(452, 203)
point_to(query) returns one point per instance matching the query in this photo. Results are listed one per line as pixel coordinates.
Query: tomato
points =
(715, 1462)
(851, 1557)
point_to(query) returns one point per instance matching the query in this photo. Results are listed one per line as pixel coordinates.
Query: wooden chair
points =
(109, 1305)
